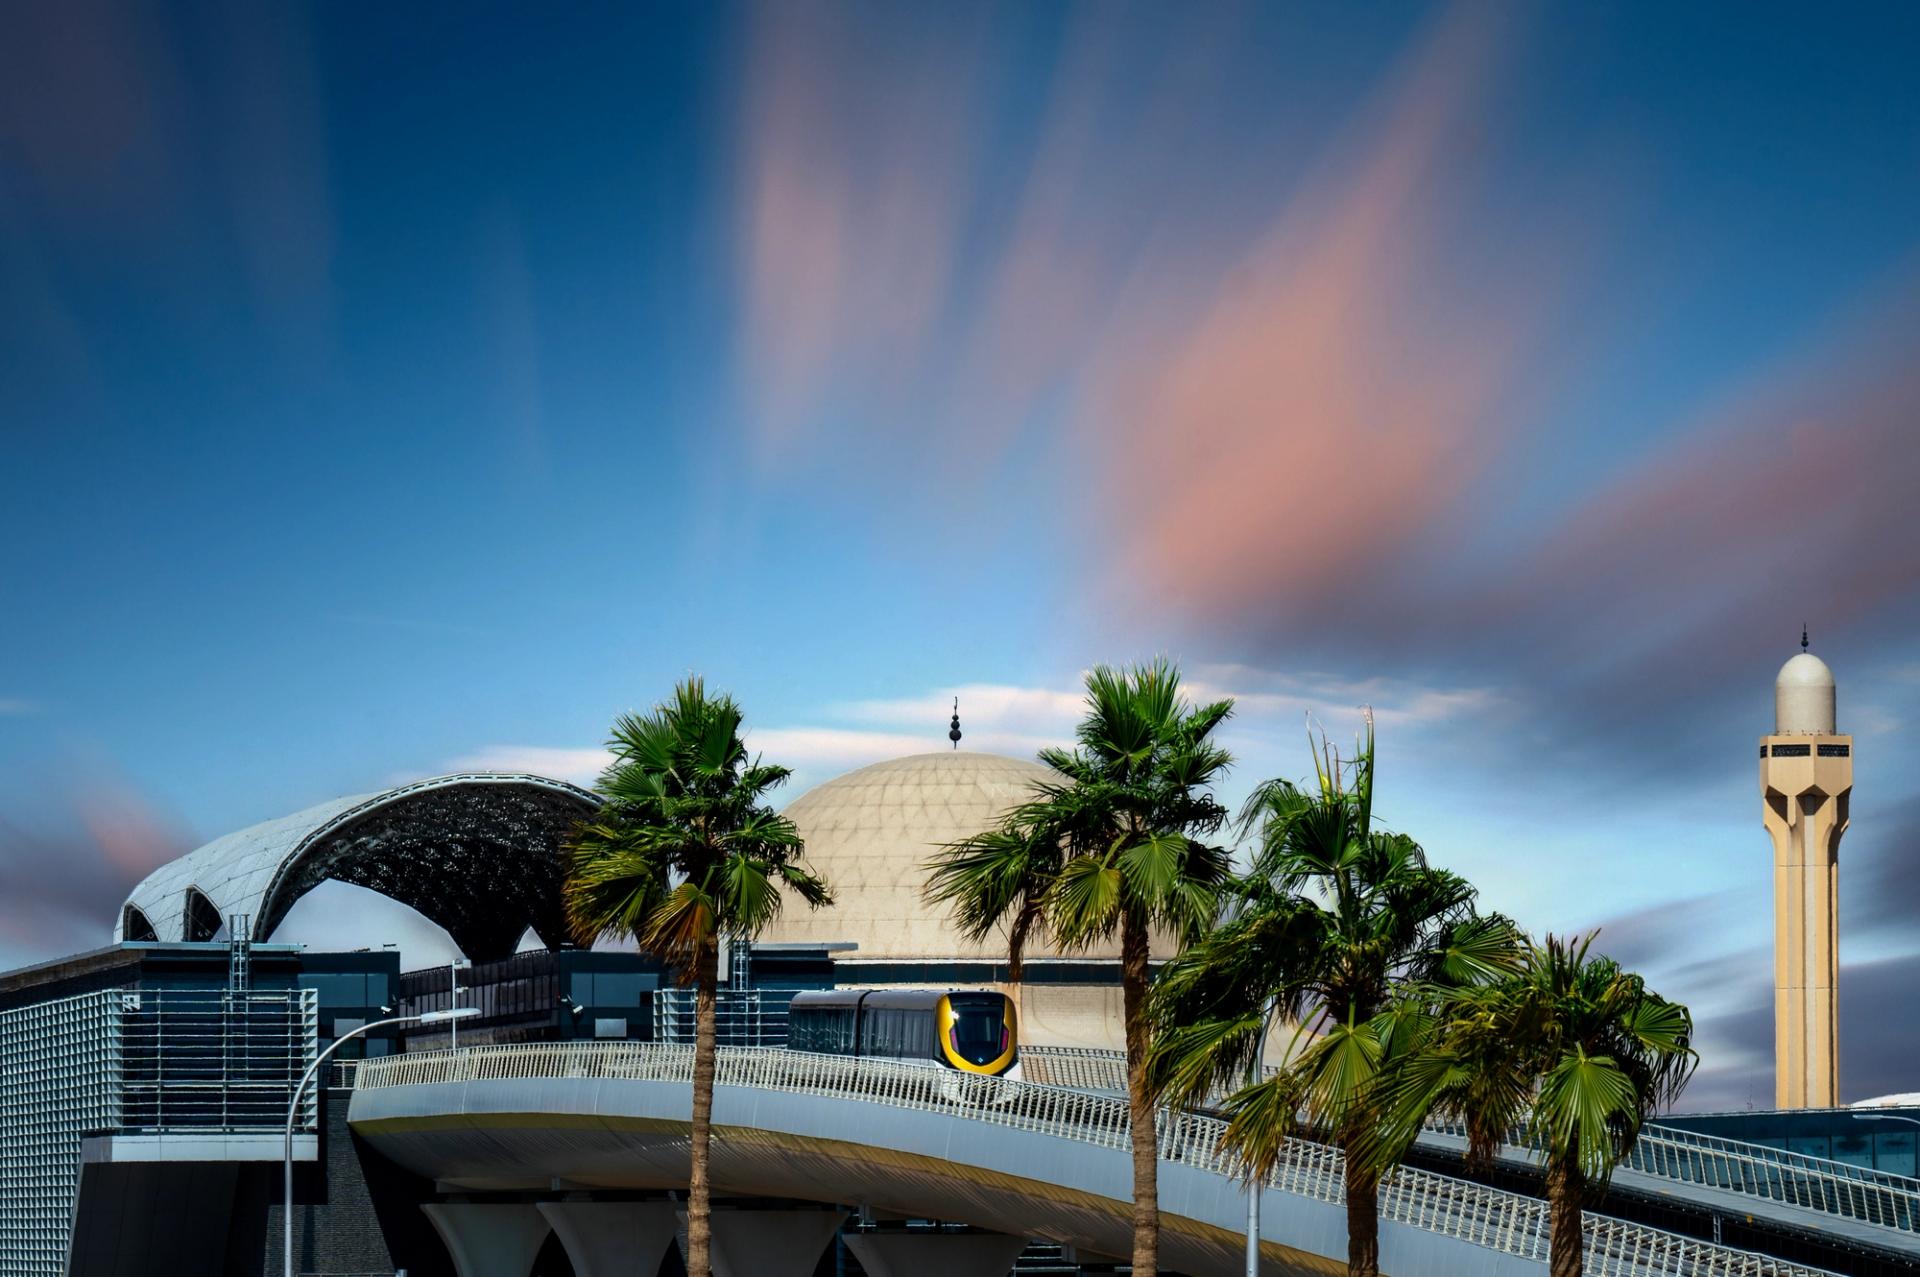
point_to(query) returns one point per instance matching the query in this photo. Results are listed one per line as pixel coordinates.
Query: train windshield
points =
(979, 1032)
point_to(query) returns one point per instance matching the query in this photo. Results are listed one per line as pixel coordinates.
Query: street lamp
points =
(1885, 1117)
(293, 1104)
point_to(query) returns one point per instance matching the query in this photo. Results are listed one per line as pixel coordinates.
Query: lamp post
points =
(1256, 1187)
(1885, 1117)
(293, 1104)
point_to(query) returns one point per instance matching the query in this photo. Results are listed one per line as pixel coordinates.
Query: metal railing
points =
(1460, 1209)
(1793, 1179)
(1814, 1183)
(1087, 1068)
(213, 1059)
(742, 1017)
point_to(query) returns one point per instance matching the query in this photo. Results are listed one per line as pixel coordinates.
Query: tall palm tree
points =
(683, 852)
(1334, 916)
(1115, 846)
(999, 878)
(1571, 1049)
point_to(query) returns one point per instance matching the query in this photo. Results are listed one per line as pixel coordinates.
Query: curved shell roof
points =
(871, 832)
(476, 853)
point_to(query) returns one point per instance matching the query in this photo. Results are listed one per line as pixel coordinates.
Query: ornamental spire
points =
(1803, 639)
(953, 729)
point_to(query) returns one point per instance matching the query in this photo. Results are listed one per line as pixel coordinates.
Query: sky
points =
(390, 391)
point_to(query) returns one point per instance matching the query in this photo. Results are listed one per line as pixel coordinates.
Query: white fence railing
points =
(1812, 1183)
(1505, 1222)
(1815, 1183)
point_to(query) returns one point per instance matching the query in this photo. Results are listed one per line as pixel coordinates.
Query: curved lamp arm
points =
(293, 1103)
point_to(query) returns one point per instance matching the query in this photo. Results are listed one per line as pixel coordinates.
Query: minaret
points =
(1806, 780)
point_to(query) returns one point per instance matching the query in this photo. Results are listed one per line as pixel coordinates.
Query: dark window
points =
(617, 990)
(1792, 751)
(1835, 751)
(135, 926)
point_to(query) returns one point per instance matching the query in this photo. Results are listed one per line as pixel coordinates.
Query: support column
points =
(931, 1254)
(769, 1243)
(614, 1239)
(489, 1239)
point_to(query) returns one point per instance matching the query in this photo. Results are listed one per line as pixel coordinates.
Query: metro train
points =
(971, 1030)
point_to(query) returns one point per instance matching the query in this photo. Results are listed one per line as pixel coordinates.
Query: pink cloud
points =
(1793, 502)
(1332, 395)
(851, 186)
(70, 861)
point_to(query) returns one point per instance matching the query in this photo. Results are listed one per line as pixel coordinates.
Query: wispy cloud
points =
(582, 766)
(851, 190)
(69, 862)
(17, 707)
(1398, 703)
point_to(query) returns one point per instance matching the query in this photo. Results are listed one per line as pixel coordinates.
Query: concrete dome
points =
(871, 832)
(1803, 698)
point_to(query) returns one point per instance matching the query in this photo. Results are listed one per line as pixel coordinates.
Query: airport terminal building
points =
(146, 1086)
(147, 1082)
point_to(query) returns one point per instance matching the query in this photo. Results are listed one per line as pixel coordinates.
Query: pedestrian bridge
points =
(569, 1137)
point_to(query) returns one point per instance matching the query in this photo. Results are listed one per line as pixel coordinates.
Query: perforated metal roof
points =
(477, 853)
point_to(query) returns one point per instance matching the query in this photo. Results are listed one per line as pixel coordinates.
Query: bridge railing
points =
(1794, 1179)
(1507, 1222)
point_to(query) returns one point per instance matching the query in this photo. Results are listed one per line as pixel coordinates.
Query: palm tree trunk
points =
(699, 1207)
(1140, 1106)
(1363, 1215)
(1565, 1238)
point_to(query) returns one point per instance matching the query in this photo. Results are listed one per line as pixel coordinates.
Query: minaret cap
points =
(953, 732)
(1803, 696)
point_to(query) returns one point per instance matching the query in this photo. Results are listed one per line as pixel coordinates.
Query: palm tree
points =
(1113, 847)
(1571, 1049)
(998, 878)
(683, 852)
(1334, 916)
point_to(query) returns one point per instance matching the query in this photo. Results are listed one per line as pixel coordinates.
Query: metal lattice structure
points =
(479, 854)
(132, 1060)
(1506, 1222)
(60, 1060)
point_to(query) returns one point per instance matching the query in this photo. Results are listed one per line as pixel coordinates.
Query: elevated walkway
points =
(1021, 1158)
(1853, 1218)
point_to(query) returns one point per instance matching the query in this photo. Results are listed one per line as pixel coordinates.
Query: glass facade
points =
(1876, 1139)
(539, 996)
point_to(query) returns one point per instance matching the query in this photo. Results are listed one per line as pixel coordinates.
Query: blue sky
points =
(383, 392)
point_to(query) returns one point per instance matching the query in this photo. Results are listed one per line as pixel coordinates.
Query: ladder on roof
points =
(239, 953)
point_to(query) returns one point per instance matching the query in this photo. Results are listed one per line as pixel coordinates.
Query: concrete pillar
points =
(935, 1254)
(769, 1243)
(490, 1239)
(614, 1239)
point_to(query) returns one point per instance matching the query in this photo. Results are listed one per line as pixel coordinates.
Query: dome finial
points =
(1803, 636)
(953, 729)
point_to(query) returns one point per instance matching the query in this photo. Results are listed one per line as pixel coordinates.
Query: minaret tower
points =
(1806, 780)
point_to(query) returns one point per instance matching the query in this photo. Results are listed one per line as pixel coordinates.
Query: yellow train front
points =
(972, 1030)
